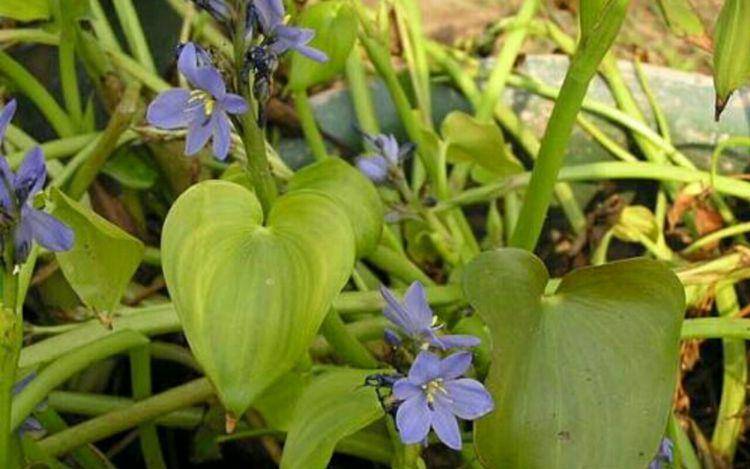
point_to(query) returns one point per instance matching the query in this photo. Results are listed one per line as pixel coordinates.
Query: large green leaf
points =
(470, 140)
(732, 53)
(334, 406)
(252, 297)
(103, 258)
(582, 377)
(25, 10)
(335, 26)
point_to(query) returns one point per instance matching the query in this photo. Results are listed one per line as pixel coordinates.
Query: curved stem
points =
(62, 369)
(345, 344)
(112, 423)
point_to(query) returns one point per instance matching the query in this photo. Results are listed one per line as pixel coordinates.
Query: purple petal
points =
(209, 79)
(374, 168)
(187, 63)
(455, 341)
(392, 338)
(30, 176)
(270, 14)
(455, 365)
(199, 132)
(404, 389)
(47, 230)
(6, 184)
(467, 398)
(169, 109)
(312, 53)
(426, 367)
(234, 104)
(416, 304)
(22, 237)
(222, 136)
(413, 419)
(446, 427)
(390, 149)
(6, 116)
(396, 313)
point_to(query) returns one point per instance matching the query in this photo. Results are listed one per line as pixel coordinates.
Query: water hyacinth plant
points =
(310, 235)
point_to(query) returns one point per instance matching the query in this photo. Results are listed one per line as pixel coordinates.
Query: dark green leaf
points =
(472, 141)
(103, 258)
(129, 167)
(582, 377)
(335, 25)
(334, 406)
(732, 53)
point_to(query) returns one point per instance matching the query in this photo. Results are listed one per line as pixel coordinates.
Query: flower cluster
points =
(384, 158)
(207, 108)
(434, 394)
(20, 221)
(204, 111)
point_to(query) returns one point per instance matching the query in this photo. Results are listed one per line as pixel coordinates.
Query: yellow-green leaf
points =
(25, 10)
(251, 297)
(103, 258)
(732, 50)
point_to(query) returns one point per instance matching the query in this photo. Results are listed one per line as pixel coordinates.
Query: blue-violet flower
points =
(204, 110)
(434, 395)
(386, 156)
(18, 216)
(414, 318)
(665, 455)
(269, 15)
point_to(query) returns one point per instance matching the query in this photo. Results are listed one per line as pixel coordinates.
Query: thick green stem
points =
(360, 93)
(729, 426)
(68, 365)
(346, 345)
(11, 335)
(134, 34)
(140, 377)
(258, 169)
(67, 59)
(505, 60)
(147, 410)
(309, 126)
(107, 142)
(37, 93)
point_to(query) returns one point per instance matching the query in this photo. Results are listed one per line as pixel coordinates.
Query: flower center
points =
(433, 388)
(201, 97)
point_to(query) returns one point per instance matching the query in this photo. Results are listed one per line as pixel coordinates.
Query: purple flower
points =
(415, 319)
(204, 110)
(27, 223)
(280, 38)
(6, 115)
(386, 156)
(219, 9)
(665, 454)
(434, 395)
(18, 217)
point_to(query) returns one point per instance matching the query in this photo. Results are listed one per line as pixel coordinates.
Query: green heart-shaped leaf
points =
(583, 377)
(252, 297)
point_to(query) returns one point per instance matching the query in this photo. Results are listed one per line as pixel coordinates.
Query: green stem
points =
(92, 405)
(134, 34)
(38, 94)
(137, 71)
(84, 155)
(717, 236)
(30, 36)
(56, 149)
(729, 426)
(11, 335)
(140, 377)
(603, 171)
(106, 144)
(68, 365)
(346, 345)
(716, 328)
(112, 423)
(397, 265)
(85, 456)
(505, 60)
(356, 78)
(67, 59)
(258, 169)
(102, 27)
(309, 126)
(408, 20)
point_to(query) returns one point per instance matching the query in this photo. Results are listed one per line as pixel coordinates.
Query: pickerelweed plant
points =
(371, 291)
